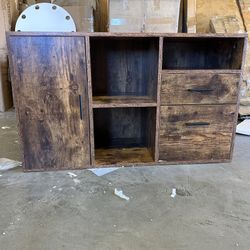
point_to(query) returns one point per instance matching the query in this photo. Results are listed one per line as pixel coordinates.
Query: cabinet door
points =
(50, 93)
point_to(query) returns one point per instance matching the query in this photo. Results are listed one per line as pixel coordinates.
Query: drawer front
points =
(199, 88)
(196, 133)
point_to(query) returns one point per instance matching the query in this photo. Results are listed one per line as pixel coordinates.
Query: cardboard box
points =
(83, 17)
(158, 16)
(162, 16)
(126, 16)
(82, 12)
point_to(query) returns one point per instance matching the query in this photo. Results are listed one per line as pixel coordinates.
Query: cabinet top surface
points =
(107, 34)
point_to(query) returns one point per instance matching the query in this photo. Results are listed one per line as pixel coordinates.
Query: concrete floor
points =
(52, 211)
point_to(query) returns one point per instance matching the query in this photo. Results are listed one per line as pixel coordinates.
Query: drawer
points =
(196, 133)
(199, 88)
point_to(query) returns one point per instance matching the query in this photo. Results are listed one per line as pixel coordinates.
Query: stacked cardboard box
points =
(81, 11)
(144, 15)
(8, 14)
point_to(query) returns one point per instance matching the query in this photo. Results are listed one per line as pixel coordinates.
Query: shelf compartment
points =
(123, 156)
(194, 53)
(124, 66)
(123, 101)
(124, 129)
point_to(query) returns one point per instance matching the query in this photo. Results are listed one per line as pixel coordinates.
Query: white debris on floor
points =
(173, 194)
(5, 127)
(7, 164)
(120, 194)
(102, 171)
(72, 175)
(243, 127)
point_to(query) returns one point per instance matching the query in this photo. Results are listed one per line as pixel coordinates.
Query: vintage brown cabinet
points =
(92, 100)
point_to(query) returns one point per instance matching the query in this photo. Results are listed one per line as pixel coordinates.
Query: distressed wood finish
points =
(202, 53)
(201, 88)
(49, 81)
(123, 101)
(124, 67)
(123, 156)
(90, 95)
(123, 127)
(196, 133)
(157, 126)
(103, 99)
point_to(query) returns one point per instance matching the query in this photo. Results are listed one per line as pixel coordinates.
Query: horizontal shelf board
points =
(122, 156)
(198, 104)
(123, 101)
(127, 34)
(199, 71)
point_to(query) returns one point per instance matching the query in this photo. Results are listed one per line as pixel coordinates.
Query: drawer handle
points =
(197, 124)
(200, 90)
(80, 106)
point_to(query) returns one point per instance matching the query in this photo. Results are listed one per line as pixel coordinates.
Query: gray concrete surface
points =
(52, 211)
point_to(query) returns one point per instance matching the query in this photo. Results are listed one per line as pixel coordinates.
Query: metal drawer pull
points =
(196, 124)
(80, 106)
(200, 90)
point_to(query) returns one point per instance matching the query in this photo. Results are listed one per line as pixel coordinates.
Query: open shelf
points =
(123, 101)
(124, 133)
(123, 156)
(194, 53)
(124, 67)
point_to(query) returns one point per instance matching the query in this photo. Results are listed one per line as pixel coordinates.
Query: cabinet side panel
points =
(50, 88)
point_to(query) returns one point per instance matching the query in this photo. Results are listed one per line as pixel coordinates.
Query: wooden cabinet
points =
(94, 100)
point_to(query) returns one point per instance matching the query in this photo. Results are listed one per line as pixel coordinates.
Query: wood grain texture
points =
(123, 122)
(48, 77)
(157, 126)
(123, 156)
(244, 58)
(190, 15)
(101, 15)
(6, 101)
(202, 53)
(124, 67)
(90, 96)
(122, 101)
(196, 133)
(201, 88)
(126, 35)
(123, 127)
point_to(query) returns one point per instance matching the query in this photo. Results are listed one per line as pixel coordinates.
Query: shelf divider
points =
(123, 101)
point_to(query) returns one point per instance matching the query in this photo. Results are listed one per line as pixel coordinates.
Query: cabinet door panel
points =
(50, 92)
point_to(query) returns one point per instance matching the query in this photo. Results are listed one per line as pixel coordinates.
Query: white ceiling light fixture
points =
(45, 17)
